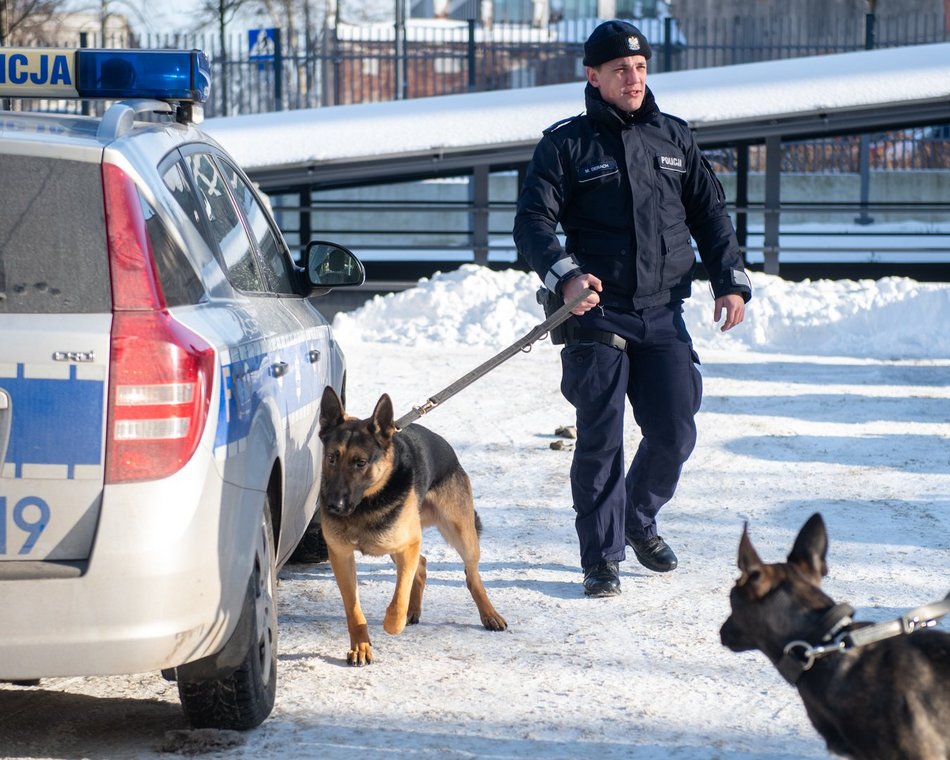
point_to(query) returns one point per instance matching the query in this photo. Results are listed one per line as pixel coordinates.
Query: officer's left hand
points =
(735, 310)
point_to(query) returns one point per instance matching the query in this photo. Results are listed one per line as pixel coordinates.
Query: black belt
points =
(579, 334)
(612, 301)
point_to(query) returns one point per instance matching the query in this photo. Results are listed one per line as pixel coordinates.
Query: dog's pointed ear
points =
(331, 410)
(810, 549)
(748, 557)
(755, 576)
(383, 423)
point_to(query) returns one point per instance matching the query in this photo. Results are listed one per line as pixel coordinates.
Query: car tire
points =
(312, 547)
(244, 699)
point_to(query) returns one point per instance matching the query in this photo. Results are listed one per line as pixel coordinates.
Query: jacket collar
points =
(600, 110)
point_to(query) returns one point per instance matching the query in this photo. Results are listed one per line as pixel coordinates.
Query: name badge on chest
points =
(600, 168)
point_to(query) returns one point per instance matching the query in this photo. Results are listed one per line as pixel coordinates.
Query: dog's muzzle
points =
(340, 502)
(731, 639)
(337, 507)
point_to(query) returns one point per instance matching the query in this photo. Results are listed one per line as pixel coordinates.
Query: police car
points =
(161, 365)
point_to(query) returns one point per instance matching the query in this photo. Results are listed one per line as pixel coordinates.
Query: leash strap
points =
(522, 344)
(915, 620)
(799, 655)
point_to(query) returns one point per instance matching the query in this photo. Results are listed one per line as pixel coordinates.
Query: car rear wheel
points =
(244, 699)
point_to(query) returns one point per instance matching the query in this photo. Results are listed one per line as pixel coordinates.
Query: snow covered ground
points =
(832, 397)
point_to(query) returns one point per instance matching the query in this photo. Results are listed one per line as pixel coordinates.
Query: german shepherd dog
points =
(886, 700)
(381, 486)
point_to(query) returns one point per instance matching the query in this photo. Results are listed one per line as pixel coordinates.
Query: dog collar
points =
(800, 654)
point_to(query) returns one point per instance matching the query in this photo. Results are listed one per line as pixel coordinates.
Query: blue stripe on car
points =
(55, 421)
(243, 380)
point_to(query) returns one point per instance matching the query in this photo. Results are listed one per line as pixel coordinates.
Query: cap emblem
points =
(633, 42)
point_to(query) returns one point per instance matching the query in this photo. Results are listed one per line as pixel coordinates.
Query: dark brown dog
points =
(380, 488)
(886, 700)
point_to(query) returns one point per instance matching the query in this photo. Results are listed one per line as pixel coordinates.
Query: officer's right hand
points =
(572, 288)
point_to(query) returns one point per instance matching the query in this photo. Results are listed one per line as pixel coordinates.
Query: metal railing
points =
(417, 231)
(927, 148)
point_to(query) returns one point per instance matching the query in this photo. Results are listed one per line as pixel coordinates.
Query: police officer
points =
(629, 187)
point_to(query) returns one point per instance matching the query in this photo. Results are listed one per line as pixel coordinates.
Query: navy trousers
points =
(658, 375)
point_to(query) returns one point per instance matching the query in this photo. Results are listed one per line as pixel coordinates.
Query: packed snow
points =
(832, 397)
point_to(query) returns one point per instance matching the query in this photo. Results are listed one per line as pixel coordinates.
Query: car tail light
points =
(161, 373)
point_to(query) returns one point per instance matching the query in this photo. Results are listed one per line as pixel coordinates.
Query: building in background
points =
(537, 13)
(70, 29)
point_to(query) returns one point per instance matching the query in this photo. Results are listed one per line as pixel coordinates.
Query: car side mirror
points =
(332, 265)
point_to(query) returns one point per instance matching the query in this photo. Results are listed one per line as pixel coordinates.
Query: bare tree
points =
(22, 21)
(108, 9)
(284, 13)
(366, 11)
(292, 17)
(221, 13)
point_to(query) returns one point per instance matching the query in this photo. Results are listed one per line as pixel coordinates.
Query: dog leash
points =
(916, 620)
(799, 655)
(522, 344)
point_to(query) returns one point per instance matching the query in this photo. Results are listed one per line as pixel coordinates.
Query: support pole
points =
(773, 184)
(479, 196)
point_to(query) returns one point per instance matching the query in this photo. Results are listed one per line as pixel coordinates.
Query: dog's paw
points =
(360, 655)
(394, 622)
(494, 622)
(413, 617)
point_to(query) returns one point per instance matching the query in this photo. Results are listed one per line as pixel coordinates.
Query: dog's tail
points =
(478, 524)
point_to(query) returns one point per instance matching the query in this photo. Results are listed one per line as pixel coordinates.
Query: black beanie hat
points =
(614, 39)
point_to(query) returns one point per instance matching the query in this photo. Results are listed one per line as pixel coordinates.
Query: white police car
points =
(161, 366)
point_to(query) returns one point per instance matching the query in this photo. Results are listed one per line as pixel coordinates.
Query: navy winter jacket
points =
(629, 190)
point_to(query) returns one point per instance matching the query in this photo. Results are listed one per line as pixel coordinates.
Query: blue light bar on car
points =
(179, 75)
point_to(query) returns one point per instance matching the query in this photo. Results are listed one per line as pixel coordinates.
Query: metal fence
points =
(379, 63)
(350, 64)
(357, 64)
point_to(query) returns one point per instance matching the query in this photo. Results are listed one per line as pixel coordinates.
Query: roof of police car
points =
(76, 130)
(30, 125)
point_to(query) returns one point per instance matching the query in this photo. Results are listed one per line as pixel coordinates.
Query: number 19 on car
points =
(29, 515)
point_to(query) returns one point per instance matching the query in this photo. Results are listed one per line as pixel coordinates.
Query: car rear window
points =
(53, 254)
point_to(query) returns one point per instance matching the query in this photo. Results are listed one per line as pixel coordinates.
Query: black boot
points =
(602, 579)
(654, 554)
